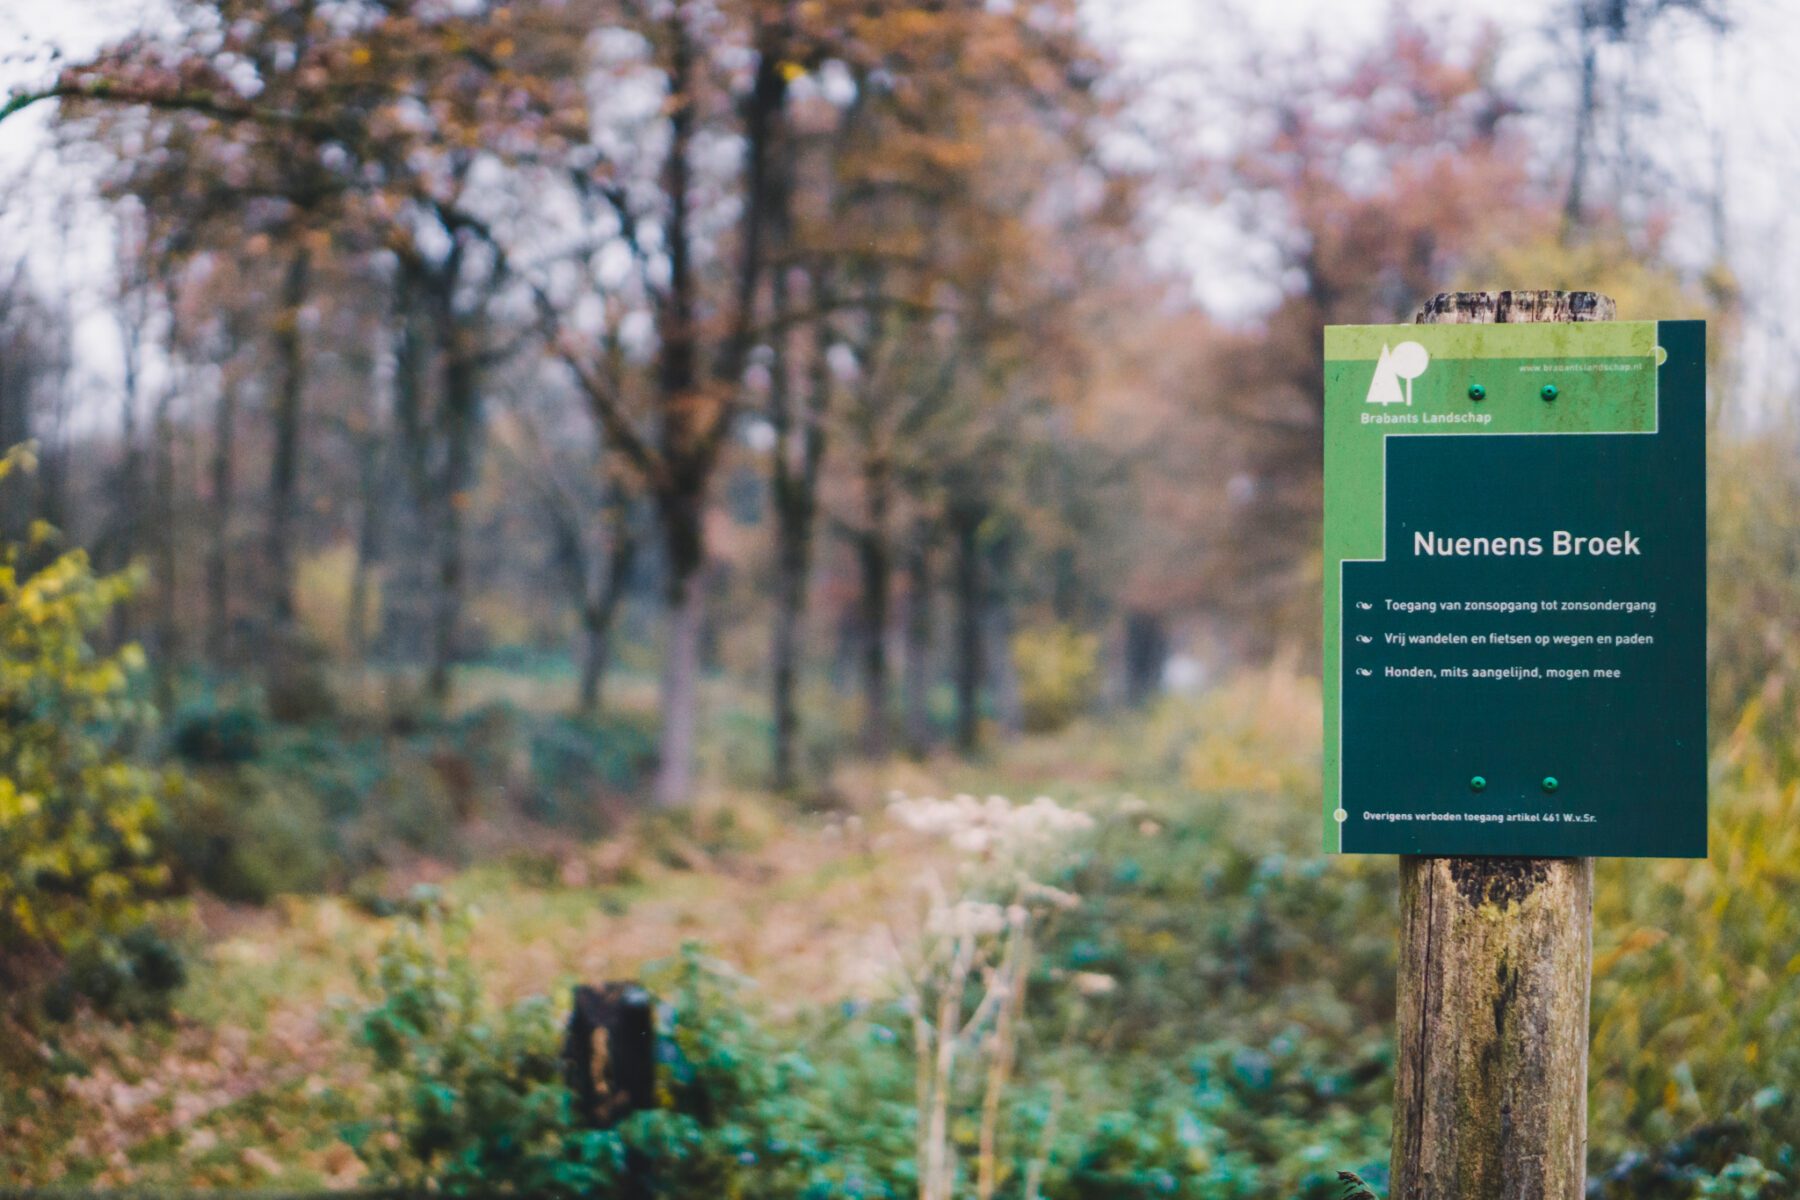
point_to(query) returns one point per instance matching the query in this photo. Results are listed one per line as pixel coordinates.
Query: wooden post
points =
(609, 1053)
(1496, 956)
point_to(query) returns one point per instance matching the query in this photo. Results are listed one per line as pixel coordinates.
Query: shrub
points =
(79, 816)
(129, 978)
(243, 837)
(296, 680)
(1257, 733)
(472, 1097)
(735, 1114)
(407, 805)
(218, 736)
(1057, 669)
(1169, 1152)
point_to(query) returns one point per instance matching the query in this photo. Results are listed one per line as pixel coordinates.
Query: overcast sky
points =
(1733, 92)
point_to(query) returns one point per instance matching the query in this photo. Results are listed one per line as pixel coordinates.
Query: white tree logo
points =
(1406, 361)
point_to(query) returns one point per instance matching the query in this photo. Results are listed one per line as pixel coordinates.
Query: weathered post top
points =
(1515, 307)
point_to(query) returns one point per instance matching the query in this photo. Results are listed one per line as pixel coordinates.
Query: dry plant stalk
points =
(977, 938)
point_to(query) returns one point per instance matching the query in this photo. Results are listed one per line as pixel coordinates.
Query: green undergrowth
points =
(1210, 1017)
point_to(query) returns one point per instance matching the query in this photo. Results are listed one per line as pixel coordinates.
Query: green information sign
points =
(1515, 589)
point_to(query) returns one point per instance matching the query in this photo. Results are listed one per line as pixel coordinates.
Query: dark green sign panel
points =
(1515, 589)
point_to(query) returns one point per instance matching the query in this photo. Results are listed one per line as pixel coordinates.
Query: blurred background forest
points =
(812, 505)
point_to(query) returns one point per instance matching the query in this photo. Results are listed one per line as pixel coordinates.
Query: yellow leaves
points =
(22, 457)
(78, 815)
(30, 605)
(24, 917)
(1057, 668)
(15, 805)
(790, 71)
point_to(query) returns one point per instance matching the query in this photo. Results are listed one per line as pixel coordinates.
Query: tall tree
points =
(1370, 184)
(244, 114)
(923, 200)
(1623, 27)
(704, 308)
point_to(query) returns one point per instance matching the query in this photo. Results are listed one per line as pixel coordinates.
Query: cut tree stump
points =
(609, 1053)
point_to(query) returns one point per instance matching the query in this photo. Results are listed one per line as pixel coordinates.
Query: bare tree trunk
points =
(1490, 1097)
(792, 554)
(120, 546)
(1146, 653)
(1008, 707)
(218, 550)
(694, 412)
(369, 547)
(916, 685)
(799, 459)
(168, 627)
(1575, 199)
(461, 415)
(680, 684)
(129, 501)
(873, 558)
(791, 603)
(601, 610)
(53, 471)
(681, 498)
(966, 524)
(789, 501)
(20, 369)
(284, 470)
(402, 624)
(596, 629)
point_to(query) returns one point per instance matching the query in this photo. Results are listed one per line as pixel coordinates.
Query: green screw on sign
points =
(1477, 392)
(1477, 784)
(1548, 392)
(1550, 784)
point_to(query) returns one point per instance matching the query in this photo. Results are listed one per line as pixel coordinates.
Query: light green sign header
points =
(1601, 339)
